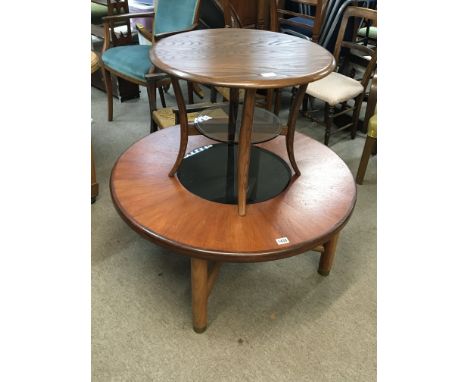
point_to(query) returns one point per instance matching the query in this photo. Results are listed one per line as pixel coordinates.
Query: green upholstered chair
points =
(132, 62)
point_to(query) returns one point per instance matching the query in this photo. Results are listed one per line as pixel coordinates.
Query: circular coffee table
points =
(307, 215)
(248, 59)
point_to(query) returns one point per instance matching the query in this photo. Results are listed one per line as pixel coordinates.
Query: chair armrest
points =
(144, 32)
(167, 34)
(126, 16)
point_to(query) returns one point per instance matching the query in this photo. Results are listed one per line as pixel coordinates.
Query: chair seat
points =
(94, 62)
(225, 93)
(130, 60)
(372, 129)
(166, 117)
(335, 88)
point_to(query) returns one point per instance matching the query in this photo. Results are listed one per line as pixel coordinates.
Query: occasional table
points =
(241, 59)
(307, 215)
(299, 194)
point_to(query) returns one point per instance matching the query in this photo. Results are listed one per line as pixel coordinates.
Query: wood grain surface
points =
(314, 206)
(244, 58)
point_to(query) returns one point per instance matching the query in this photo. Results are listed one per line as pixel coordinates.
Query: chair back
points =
(305, 21)
(354, 51)
(175, 15)
(120, 31)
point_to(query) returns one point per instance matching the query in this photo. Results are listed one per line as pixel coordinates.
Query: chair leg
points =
(213, 95)
(277, 101)
(190, 92)
(161, 96)
(305, 104)
(329, 112)
(357, 110)
(110, 100)
(366, 153)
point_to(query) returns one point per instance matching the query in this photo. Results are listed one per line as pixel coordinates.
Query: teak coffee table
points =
(181, 192)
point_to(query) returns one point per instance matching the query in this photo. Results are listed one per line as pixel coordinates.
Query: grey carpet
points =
(275, 321)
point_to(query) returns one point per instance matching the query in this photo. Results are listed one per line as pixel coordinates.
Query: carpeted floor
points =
(275, 321)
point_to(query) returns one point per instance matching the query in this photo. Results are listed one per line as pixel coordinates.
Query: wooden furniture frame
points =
(280, 16)
(109, 23)
(371, 141)
(306, 213)
(251, 53)
(121, 88)
(330, 111)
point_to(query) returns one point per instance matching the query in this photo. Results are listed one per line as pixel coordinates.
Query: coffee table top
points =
(242, 58)
(313, 207)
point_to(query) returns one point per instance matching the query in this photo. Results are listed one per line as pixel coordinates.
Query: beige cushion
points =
(335, 88)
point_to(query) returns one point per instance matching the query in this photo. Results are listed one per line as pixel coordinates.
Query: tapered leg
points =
(328, 255)
(277, 101)
(357, 109)
(292, 126)
(243, 160)
(110, 101)
(190, 92)
(161, 96)
(183, 126)
(199, 294)
(366, 153)
(329, 111)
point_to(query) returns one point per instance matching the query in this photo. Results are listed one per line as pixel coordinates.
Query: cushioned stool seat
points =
(225, 93)
(335, 88)
(166, 117)
(130, 60)
(372, 129)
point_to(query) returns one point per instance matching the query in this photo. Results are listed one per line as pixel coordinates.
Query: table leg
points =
(292, 126)
(199, 294)
(245, 136)
(183, 125)
(328, 255)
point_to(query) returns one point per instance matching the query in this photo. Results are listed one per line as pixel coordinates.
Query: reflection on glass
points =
(211, 173)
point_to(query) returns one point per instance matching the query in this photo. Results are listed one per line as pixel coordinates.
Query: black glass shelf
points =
(214, 123)
(211, 173)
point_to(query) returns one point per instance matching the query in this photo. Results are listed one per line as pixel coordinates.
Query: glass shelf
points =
(214, 123)
(211, 173)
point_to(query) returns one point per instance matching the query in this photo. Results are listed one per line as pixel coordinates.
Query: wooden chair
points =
(370, 122)
(339, 87)
(132, 62)
(306, 23)
(267, 99)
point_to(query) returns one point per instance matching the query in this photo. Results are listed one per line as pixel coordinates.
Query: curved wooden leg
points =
(293, 112)
(183, 126)
(366, 153)
(199, 294)
(245, 136)
(328, 255)
(110, 101)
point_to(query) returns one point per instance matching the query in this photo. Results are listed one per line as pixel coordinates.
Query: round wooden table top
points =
(308, 212)
(242, 58)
